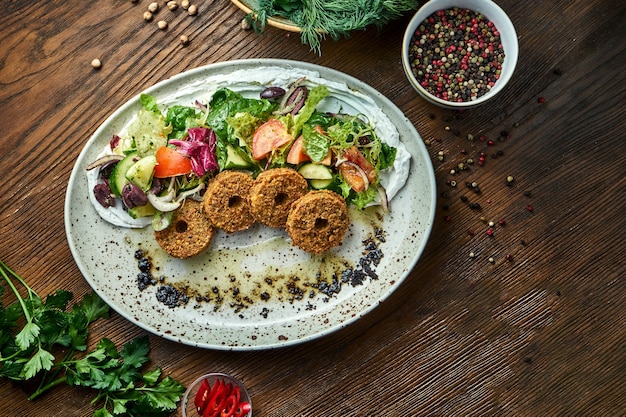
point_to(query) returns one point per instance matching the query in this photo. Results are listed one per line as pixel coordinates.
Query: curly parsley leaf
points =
(42, 359)
(117, 378)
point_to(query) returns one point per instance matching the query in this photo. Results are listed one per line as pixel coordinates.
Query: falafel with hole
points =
(225, 201)
(272, 194)
(189, 233)
(318, 221)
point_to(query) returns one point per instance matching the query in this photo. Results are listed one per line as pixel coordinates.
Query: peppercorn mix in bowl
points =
(458, 54)
(216, 394)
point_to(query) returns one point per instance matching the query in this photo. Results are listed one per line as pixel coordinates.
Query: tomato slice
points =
(171, 163)
(296, 153)
(354, 155)
(353, 176)
(268, 137)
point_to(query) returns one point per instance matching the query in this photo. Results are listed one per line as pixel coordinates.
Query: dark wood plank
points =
(541, 333)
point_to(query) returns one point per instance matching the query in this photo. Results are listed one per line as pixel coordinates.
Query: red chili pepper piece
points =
(210, 401)
(229, 406)
(202, 395)
(222, 400)
(242, 409)
(237, 393)
(216, 403)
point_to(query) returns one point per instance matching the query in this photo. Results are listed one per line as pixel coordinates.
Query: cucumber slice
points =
(140, 173)
(117, 180)
(313, 171)
(234, 159)
(320, 184)
(142, 211)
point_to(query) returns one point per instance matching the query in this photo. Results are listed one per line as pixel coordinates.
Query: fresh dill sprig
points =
(334, 18)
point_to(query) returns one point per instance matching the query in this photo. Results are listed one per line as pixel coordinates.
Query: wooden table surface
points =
(541, 330)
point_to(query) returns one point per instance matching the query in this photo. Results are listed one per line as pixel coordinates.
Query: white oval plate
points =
(253, 289)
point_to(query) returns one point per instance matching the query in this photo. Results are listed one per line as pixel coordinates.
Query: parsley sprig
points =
(33, 330)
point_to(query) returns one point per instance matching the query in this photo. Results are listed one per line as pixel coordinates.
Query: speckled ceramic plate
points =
(253, 289)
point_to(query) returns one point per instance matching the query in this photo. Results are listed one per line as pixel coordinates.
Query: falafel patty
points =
(318, 221)
(272, 194)
(189, 233)
(225, 201)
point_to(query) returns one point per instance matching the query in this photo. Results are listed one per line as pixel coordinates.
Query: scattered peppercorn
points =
(529, 208)
(541, 100)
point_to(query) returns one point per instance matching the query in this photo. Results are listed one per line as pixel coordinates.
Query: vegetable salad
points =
(169, 154)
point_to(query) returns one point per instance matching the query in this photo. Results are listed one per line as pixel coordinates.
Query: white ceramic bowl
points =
(493, 13)
(188, 403)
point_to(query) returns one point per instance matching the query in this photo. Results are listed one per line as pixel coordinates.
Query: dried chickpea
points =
(96, 64)
(184, 4)
(193, 10)
(162, 24)
(153, 7)
(184, 40)
(172, 5)
(147, 16)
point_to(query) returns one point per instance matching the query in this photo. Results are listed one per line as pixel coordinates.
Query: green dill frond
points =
(334, 18)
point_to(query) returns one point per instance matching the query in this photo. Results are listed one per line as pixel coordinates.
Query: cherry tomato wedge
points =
(171, 163)
(268, 137)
